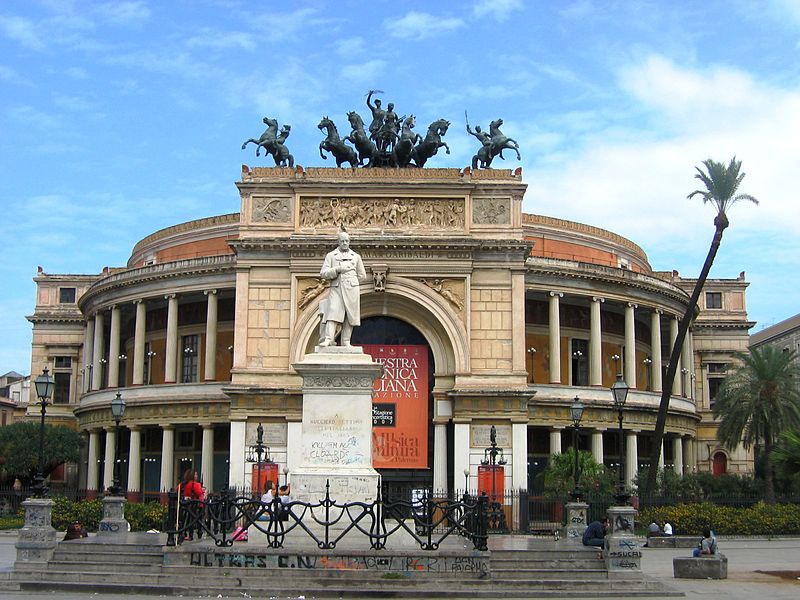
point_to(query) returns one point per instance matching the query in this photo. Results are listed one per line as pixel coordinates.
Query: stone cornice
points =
(565, 270)
(198, 224)
(205, 265)
(571, 226)
(326, 174)
(323, 244)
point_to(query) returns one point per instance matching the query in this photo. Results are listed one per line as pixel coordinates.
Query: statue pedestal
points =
(576, 522)
(623, 553)
(113, 523)
(336, 435)
(37, 538)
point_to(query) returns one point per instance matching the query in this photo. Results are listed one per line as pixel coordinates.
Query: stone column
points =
(690, 454)
(139, 334)
(555, 441)
(623, 553)
(167, 460)
(655, 349)
(595, 343)
(37, 538)
(518, 349)
(686, 364)
(135, 464)
(631, 457)
(97, 366)
(88, 362)
(238, 441)
(207, 457)
(113, 352)
(630, 345)
(677, 454)
(171, 354)
(519, 463)
(211, 336)
(92, 467)
(673, 336)
(555, 337)
(109, 458)
(597, 446)
(460, 451)
(440, 457)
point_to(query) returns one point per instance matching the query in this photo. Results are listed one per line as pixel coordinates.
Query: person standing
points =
(345, 270)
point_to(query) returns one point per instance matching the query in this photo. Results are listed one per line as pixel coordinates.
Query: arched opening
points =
(719, 464)
(391, 332)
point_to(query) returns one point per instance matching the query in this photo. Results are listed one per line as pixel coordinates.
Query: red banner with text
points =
(400, 407)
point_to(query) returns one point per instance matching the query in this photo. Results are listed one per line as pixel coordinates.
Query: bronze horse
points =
(499, 142)
(334, 144)
(404, 148)
(432, 142)
(273, 143)
(367, 150)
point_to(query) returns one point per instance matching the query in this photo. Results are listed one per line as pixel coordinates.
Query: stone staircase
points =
(141, 566)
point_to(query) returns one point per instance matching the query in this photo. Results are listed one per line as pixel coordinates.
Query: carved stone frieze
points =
(491, 211)
(271, 210)
(450, 290)
(337, 381)
(308, 289)
(386, 213)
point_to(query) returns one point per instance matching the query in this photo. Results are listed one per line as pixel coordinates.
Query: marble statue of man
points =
(345, 270)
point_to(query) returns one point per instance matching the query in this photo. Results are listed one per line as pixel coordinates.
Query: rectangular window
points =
(148, 360)
(63, 362)
(717, 367)
(61, 392)
(66, 295)
(714, 383)
(190, 346)
(713, 299)
(580, 362)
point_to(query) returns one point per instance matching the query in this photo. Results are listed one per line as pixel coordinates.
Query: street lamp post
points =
(620, 393)
(255, 452)
(576, 414)
(45, 384)
(117, 412)
(648, 362)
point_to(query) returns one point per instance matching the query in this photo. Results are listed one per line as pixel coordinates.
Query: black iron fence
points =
(427, 520)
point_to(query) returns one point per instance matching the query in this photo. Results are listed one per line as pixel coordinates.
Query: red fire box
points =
(491, 481)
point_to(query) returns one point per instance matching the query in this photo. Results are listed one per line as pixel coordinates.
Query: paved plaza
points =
(750, 562)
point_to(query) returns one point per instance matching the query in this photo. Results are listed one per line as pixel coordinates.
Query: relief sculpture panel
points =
(385, 213)
(491, 211)
(271, 210)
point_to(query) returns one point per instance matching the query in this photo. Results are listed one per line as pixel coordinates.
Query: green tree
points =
(786, 458)
(722, 185)
(19, 448)
(757, 402)
(559, 478)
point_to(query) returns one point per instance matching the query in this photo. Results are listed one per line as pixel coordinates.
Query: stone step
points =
(344, 588)
(555, 573)
(547, 563)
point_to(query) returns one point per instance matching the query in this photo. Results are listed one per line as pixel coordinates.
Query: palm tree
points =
(722, 185)
(757, 402)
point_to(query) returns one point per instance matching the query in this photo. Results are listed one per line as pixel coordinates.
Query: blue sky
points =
(120, 118)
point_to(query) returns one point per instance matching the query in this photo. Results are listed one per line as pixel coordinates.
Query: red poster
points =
(400, 407)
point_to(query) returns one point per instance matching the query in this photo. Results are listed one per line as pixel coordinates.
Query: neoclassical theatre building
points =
(481, 314)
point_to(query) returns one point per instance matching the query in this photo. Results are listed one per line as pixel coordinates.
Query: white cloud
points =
(124, 12)
(419, 25)
(499, 10)
(364, 72)
(350, 47)
(611, 178)
(21, 30)
(210, 38)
